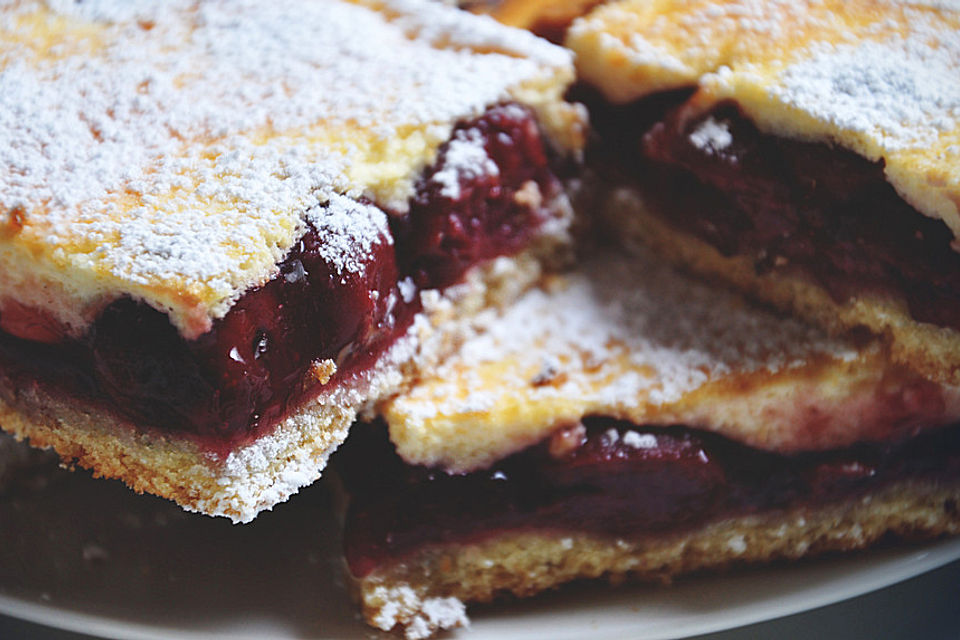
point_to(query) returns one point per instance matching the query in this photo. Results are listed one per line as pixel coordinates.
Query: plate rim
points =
(847, 577)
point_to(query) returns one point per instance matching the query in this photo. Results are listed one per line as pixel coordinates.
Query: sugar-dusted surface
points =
(170, 152)
(466, 160)
(901, 100)
(633, 48)
(711, 136)
(882, 79)
(635, 340)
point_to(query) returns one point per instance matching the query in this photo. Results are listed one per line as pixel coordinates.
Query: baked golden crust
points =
(238, 486)
(632, 339)
(547, 18)
(426, 593)
(170, 152)
(879, 78)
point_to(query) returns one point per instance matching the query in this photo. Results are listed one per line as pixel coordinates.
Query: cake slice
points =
(804, 152)
(628, 422)
(226, 228)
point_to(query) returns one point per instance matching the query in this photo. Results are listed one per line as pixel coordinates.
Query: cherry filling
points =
(805, 208)
(280, 343)
(250, 368)
(483, 198)
(618, 480)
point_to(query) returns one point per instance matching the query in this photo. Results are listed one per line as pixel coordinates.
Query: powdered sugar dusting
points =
(421, 616)
(679, 333)
(466, 159)
(640, 440)
(904, 92)
(712, 136)
(619, 334)
(176, 145)
(622, 338)
(348, 231)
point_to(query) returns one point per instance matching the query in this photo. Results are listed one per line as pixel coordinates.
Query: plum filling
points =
(316, 323)
(613, 479)
(809, 209)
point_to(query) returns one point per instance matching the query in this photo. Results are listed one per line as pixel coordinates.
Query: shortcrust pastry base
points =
(928, 349)
(292, 455)
(426, 593)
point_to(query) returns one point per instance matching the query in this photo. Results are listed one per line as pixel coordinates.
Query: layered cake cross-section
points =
(226, 228)
(807, 153)
(625, 421)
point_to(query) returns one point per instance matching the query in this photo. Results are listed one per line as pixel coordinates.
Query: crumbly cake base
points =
(425, 593)
(292, 455)
(930, 350)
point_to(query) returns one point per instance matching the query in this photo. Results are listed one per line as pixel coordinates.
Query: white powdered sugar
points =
(348, 231)
(420, 616)
(466, 159)
(903, 91)
(685, 332)
(641, 52)
(640, 440)
(711, 136)
(626, 338)
(674, 335)
(179, 144)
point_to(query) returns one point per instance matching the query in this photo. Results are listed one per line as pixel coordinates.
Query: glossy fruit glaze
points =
(804, 208)
(611, 479)
(260, 360)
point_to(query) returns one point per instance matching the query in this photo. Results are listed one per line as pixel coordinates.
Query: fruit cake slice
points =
(226, 227)
(805, 152)
(630, 422)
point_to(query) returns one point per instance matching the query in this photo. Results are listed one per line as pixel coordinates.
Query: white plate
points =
(90, 556)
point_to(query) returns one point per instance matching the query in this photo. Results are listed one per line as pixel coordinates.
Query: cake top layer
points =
(171, 150)
(881, 78)
(634, 340)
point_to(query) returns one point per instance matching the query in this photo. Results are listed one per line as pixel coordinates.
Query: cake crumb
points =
(323, 370)
(640, 440)
(737, 544)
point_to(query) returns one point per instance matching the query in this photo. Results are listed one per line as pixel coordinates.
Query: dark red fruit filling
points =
(249, 368)
(805, 208)
(820, 210)
(256, 360)
(656, 480)
(489, 213)
(259, 361)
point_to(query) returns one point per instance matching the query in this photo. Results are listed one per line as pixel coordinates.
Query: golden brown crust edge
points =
(176, 467)
(409, 594)
(930, 350)
(256, 476)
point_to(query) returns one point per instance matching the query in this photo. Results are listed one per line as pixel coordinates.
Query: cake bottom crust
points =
(930, 350)
(426, 592)
(257, 475)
